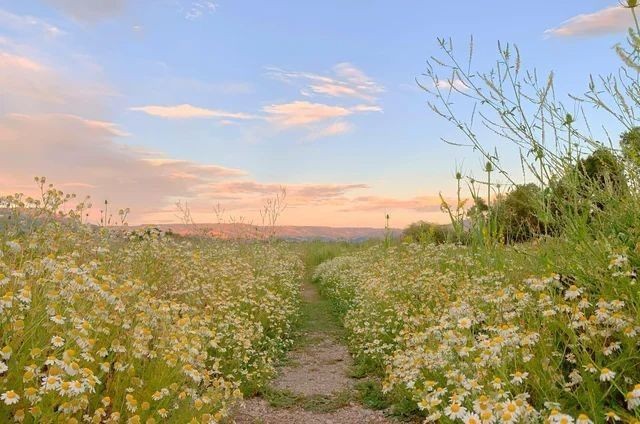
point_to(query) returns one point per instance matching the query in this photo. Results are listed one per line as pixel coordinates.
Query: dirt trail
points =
(314, 386)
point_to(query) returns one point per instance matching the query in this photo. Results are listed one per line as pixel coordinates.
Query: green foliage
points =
(517, 213)
(630, 145)
(370, 393)
(426, 232)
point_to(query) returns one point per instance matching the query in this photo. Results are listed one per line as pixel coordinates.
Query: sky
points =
(149, 102)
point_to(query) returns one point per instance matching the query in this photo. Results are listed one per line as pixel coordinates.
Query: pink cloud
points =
(610, 20)
(336, 128)
(28, 23)
(69, 149)
(346, 81)
(19, 62)
(303, 113)
(294, 191)
(89, 10)
(187, 111)
(372, 203)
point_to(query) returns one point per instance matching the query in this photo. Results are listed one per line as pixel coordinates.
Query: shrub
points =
(426, 232)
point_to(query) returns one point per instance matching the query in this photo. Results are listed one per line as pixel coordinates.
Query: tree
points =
(630, 145)
(517, 213)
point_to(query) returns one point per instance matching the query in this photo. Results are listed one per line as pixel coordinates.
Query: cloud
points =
(8, 60)
(377, 203)
(30, 86)
(187, 111)
(346, 81)
(89, 10)
(296, 191)
(196, 9)
(366, 108)
(606, 21)
(189, 170)
(303, 113)
(26, 22)
(71, 150)
(455, 84)
(331, 130)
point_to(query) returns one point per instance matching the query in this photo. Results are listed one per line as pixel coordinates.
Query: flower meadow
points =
(107, 326)
(496, 335)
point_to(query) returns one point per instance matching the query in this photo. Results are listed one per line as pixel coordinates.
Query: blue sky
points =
(150, 102)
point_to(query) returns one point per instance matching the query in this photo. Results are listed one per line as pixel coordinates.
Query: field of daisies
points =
(110, 326)
(460, 334)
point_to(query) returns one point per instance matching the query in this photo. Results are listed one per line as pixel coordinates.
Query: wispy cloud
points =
(303, 113)
(10, 61)
(297, 194)
(455, 84)
(313, 117)
(29, 85)
(189, 170)
(377, 203)
(345, 81)
(199, 8)
(187, 111)
(610, 20)
(336, 128)
(26, 22)
(89, 10)
(56, 145)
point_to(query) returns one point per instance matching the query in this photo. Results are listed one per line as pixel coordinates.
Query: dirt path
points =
(314, 385)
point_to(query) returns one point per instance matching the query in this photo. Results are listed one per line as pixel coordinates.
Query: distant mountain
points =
(287, 232)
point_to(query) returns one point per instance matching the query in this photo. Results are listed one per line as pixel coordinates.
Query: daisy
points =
(464, 323)
(606, 374)
(583, 419)
(57, 341)
(612, 416)
(455, 410)
(572, 292)
(6, 353)
(519, 377)
(50, 383)
(10, 397)
(471, 419)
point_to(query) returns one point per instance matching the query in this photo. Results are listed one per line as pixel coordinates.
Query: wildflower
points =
(10, 397)
(57, 341)
(633, 398)
(471, 419)
(455, 410)
(606, 374)
(6, 352)
(572, 292)
(519, 377)
(58, 319)
(31, 393)
(464, 323)
(612, 416)
(64, 388)
(3, 367)
(583, 419)
(50, 383)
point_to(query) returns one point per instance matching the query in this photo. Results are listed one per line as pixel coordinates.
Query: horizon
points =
(145, 104)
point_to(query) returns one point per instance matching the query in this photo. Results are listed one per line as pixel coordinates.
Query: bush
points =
(517, 213)
(426, 232)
